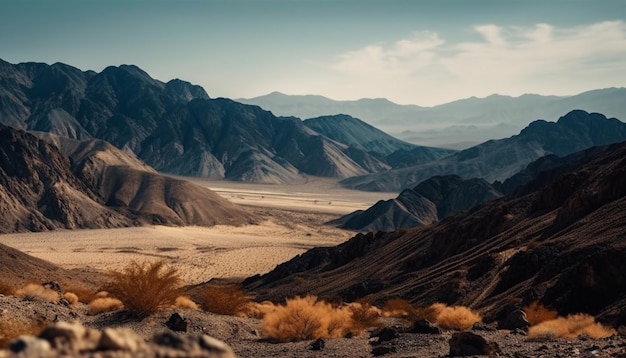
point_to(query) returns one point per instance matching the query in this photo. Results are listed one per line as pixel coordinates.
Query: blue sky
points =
(421, 52)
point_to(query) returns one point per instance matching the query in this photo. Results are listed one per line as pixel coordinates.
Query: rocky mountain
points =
(430, 201)
(501, 159)
(459, 124)
(95, 186)
(174, 127)
(561, 244)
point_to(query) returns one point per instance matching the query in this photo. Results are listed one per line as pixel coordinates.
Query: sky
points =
(423, 52)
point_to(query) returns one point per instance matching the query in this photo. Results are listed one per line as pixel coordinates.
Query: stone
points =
(121, 339)
(177, 323)
(318, 345)
(64, 335)
(216, 347)
(514, 320)
(382, 350)
(424, 326)
(30, 346)
(470, 344)
(385, 334)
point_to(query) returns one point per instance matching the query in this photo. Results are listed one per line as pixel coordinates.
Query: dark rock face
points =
(501, 159)
(174, 127)
(430, 201)
(177, 323)
(560, 243)
(424, 326)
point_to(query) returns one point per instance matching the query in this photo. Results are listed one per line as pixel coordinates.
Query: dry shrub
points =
(145, 287)
(35, 291)
(224, 299)
(104, 304)
(10, 329)
(449, 317)
(398, 307)
(570, 327)
(537, 313)
(7, 288)
(71, 297)
(259, 310)
(185, 302)
(102, 294)
(84, 294)
(363, 315)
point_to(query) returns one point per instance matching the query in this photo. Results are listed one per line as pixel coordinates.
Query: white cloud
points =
(507, 60)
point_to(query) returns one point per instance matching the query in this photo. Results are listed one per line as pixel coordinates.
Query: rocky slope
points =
(174, 127)
(501, 159)
(42, 189)
(559, 243)
(430, 201)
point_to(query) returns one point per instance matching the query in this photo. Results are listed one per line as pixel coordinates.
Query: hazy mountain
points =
(457, 124)
(174, 127)
(430, 201)
(100, 187)
(560, 244)
(500, 159)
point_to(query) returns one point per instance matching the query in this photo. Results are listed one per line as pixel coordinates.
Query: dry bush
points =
(537, 313)
(259, 310)
(185, 302)
(10, 329)
(104, 304)
(84, 294)
(35, 291)
(455, 317)
(7, 288)
(570, 327)
(145, 287)
(224, 299)
(70, 297)
(363, 315)
(102, 294)
(398, 307)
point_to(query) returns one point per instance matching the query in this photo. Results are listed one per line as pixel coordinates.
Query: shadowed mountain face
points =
(430, 201)
(100, 187)
(500, 159)
(174, 127)
(561, 243)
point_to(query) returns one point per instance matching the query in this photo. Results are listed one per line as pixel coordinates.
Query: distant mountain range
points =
(176, 128)
(75, 184)
(459, 124)
(559, 242)
(501, 159)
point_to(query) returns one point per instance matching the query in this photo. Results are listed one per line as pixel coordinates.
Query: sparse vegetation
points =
(185, 302)
(570, 327)
(35, 291)
(104, 304)
(11, 329)
(70, 297)
(84, 294)
(399, 307)
(7, 288)
(452, 317)
(537, 313)
(224, 299)
(145, 287)
(364, 315)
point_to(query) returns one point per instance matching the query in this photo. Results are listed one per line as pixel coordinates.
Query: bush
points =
(363, 315)
(570, 327)
(398, 307)
(70, 297)
(145, 287)
(104, 304)
(454, 317)
(7, 288)
(185, 302)
(11, 329)
(35, 291)
(537, 313)
(224, 299)
(84, 294)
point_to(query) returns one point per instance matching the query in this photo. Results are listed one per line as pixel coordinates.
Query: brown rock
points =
(470, 344)
(121, 339)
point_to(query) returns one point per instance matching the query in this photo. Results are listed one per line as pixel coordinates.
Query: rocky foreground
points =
(72, 331)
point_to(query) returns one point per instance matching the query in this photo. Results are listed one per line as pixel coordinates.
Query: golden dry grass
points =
(145, 287)
(11, 329)
(35, 291)
(104, 304)
(537, 313)
(224, 299)
(185, 302)
(570, 327)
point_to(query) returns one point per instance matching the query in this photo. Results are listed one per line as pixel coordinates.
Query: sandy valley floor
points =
(293, 222)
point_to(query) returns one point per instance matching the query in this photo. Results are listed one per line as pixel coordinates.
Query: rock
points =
(64, 335)
(514, 320)
(177, 323)
(480, 326)
(120, 339)
(318, 345)
(424, 326)
(29, 346)
(385, 334)
(215, 347)
(382, 350)
(195, 346)
(469, 344)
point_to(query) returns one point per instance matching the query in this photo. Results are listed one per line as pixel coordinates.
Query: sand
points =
(293, 218)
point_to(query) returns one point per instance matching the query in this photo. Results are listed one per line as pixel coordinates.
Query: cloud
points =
(501, 59)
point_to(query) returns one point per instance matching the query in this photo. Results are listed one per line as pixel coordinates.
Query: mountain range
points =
(459, 124)
(557, 241)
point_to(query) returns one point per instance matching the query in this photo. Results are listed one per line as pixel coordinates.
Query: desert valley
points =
(142, 218)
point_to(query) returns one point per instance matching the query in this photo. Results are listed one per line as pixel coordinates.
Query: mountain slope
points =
(560, 244)
(500, 159)
(174, 127)
(428, 202)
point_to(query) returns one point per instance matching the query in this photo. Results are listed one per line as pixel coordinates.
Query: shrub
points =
(224, 299)
(185, 302)
(570, 327)
(7, 288)
(84, 294)
(398, 307)
(259, 310)
(454, 317)
(11, 329)
(363, 315)
(35, 291)
(537, 313)
(145, 287)
(71, 297)
(104, 304)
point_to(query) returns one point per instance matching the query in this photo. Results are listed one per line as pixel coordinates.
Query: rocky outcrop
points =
(430, 201)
